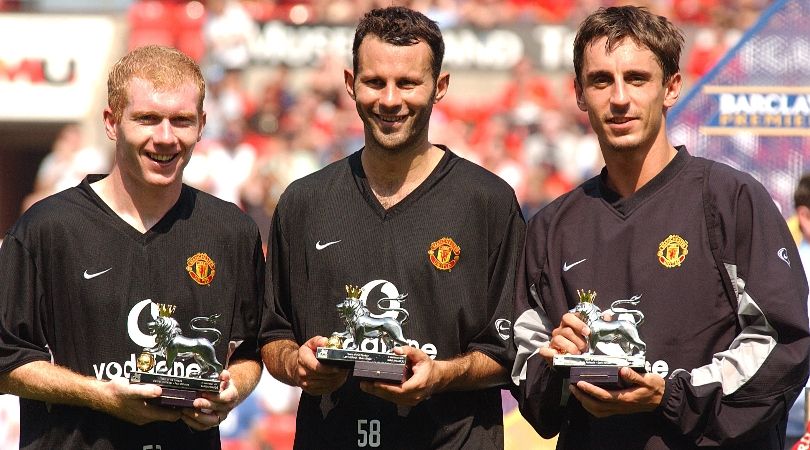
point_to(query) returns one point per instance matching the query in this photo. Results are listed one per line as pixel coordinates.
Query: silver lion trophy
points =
(154, 364)
(344, 348)
(613, 343)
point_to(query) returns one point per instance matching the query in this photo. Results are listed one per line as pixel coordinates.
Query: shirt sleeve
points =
(749, 387)
(22, 338)
(495, 340)
(537, 387)
(276, 320)
(249, 304)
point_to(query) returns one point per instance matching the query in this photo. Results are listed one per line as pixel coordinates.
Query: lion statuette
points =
(361, 323)
(613, 331)
(170, 341)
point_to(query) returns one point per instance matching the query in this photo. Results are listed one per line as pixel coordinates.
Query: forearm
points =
(281, 359)
(41, 380)
(245, 375)
(470, 371)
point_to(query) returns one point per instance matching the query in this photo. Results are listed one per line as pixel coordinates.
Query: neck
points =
(629, 170)
(139, 205)
(394, 175)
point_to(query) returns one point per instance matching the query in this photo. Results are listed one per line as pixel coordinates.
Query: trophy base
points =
(371, 366)
(178, 392)
(605, 377)
(599, 370)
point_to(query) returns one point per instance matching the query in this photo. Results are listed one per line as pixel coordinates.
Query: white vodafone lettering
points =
(135, 333)
(660, 368)
(389, 290)
(113, 370)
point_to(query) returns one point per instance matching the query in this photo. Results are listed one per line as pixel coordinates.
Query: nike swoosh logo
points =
(319, 246)
(88, 276)
(567, 267)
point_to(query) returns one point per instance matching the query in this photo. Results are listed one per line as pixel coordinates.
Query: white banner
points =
(51, 66)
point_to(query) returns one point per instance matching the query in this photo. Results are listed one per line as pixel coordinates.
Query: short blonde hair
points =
(165, 67)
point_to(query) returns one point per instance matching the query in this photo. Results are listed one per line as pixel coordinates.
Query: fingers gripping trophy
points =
(155, 363)
(613, 342)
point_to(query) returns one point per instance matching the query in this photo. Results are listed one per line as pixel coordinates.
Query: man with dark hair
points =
(393, 219)
(721, 287)
(797, 417)
(83, 271)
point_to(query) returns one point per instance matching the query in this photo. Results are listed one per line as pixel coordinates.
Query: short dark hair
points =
(646, 29)
(801, 197)
(401, 26)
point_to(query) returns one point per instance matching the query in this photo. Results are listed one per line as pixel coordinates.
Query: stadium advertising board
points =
(54, 66)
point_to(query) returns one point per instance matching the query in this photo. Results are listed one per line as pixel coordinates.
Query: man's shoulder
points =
(479, 180)
(724, 177)
(209, 207)
(315, 184)
(54, 209)
(584, 195)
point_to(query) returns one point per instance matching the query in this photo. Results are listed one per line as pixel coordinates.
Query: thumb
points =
(631, 375)
(135, 390)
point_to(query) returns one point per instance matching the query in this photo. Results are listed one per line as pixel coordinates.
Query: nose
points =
(390, 96)
(618, 96)
(164, 133)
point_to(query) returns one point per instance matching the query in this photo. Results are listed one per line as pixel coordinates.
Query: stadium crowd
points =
(258, 139)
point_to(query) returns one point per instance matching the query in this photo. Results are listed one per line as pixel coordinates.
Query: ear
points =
(580, 101)
(673, 90)
(110, 123)
(803, 215)
(442, 84)
(203, 118)
(348, 79)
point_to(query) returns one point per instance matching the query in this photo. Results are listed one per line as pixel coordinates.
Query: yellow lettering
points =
(773, 120)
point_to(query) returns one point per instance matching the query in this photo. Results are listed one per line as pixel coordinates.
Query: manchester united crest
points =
(201, 268)
(672, 251)
(444, 253)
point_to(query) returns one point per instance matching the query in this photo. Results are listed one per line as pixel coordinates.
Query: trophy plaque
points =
(343, 348)
(613, 343)
(155, 363)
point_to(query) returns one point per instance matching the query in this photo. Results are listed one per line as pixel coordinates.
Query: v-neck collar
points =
(625, 206)
(181, 208)
(361, 181)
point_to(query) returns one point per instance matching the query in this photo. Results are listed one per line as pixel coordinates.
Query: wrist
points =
(445, 373)
(291, 366)
(100, 396)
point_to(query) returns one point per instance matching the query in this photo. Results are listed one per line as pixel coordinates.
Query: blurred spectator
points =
(707, 49)
(222, 166)
(485, 13)
(9, 419)
(66, 165)
(228, 31)
(226, 100)
(797, 419)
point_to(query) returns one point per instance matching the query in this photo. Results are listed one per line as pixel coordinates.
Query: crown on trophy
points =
(165, 310)
(586, 296)
(353, 291)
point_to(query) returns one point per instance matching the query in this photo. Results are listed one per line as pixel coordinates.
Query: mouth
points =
(619, 120)
(391, 119)
(161, 159)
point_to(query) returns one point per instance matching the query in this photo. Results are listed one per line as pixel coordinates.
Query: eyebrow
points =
(632, 73)
(179, 115)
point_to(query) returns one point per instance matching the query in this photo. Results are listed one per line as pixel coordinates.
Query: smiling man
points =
(425, 235)
(720, 283)
(82, 272)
